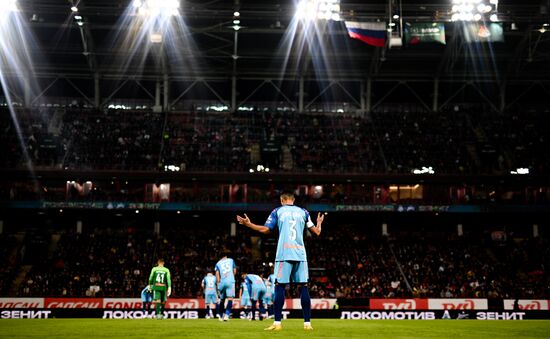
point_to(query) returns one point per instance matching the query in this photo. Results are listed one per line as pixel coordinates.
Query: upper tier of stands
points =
(452, 142)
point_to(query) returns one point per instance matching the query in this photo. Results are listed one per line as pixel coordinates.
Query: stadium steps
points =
(255, 156)
(19, 278)
(288, 162)
(472, 151)
(56, 122)
(53, 244)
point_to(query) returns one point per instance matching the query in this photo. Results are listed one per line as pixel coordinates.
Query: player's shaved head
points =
(287, 196)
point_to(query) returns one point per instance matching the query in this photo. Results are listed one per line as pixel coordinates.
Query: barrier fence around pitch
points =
(410, 304)
(344, 314)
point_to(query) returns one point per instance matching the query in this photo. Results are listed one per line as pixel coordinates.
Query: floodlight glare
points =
(473, 10)
(156, 7)
(310, 10)
(156, 38)
(162, 3)
(74, 9)
(8, 6)
(236, 14)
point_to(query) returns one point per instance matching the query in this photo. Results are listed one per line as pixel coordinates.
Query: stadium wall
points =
(433, 304)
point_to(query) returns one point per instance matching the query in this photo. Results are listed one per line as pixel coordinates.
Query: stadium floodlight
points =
(157, 7)
(236, 14)
(310, 10)
(473, 10)
(521, 171)
(155, 38)
(424, 170)
(7, 6)
(74, 9)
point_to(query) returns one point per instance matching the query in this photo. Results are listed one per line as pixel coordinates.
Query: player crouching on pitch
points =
(256, 291)
(161, 285)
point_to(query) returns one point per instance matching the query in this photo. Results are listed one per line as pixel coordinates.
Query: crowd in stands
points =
(110, 263)
(117, 140)
(452, 142)
(11, 258)
(415, 139)
(344, 264)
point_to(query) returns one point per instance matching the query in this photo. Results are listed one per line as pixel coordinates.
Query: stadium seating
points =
(359, 264)
(452, 142)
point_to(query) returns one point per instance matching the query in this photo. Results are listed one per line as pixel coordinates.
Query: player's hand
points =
(149, 289)
(169, 292)
(320, 218)
(243, 220)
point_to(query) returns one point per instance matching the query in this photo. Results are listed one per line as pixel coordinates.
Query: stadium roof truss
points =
(215, 62)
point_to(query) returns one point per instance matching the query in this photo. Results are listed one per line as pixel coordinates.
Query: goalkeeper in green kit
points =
(161, 285)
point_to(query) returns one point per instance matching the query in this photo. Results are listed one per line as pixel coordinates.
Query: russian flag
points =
(372, 33)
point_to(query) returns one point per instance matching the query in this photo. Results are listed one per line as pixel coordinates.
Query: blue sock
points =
(279, 301)
(229, 305)
(306, 303)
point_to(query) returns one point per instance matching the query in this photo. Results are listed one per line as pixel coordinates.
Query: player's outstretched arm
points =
(317, 228)
(246, 222)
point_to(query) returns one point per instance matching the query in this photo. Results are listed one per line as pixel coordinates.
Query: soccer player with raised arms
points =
(290, 260)
(225, 276)
(161, 285)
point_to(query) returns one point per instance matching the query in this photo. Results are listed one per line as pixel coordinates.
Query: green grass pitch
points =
(237, 328)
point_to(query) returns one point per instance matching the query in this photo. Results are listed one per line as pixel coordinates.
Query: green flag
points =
(416, 33)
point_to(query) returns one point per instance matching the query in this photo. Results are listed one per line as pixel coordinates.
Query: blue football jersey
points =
(291, 222)
(146, 296)
(244, 288)
(209, 283)
(225, 267)
(255, 279)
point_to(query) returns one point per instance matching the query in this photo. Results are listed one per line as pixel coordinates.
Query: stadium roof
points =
(206, 49)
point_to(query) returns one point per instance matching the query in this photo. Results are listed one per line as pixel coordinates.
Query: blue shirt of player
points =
(254, 279)
(290, 221)
(209, 283)
(146, 296)
(244, 288)
(226, 267)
